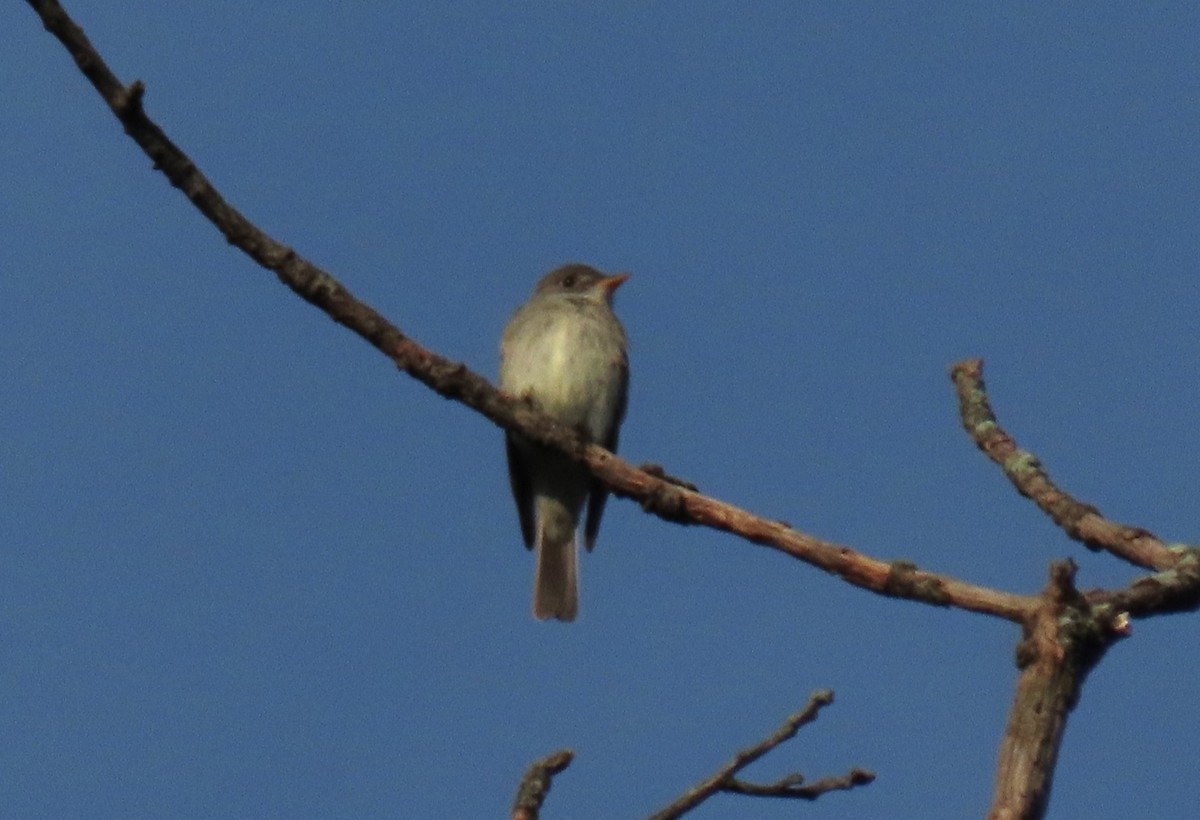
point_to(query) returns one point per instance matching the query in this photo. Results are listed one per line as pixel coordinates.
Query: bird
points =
(565, 352)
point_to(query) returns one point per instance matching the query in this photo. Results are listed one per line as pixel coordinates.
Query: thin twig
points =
(791, 786)
(668, 498)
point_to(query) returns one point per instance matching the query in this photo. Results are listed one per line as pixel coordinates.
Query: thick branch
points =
(1064, 639)
(535, 785)
(453, 380)
(724, 779)
(1080, 521)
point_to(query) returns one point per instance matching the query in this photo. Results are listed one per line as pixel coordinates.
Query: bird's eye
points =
(569, 281)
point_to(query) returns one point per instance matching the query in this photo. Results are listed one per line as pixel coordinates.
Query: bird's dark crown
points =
(573, 277)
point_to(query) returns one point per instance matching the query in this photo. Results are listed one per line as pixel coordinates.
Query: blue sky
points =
(249, 570)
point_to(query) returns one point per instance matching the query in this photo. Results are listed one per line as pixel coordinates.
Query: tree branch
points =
(667, 499)
(1163, 593)
(535, 785)
(1080, 521)
(724, 779)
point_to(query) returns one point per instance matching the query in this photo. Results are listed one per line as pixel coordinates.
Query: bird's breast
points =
(568, 361)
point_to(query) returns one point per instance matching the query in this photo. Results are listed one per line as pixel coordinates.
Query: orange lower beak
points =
(609, 284)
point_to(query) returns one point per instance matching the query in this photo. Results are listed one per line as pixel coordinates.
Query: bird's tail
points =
(556, 579)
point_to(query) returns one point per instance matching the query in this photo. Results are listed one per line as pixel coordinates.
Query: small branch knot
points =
(668, 502)
(905, 580)
(129, 103)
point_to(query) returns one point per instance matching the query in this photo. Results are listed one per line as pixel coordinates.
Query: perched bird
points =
(564, 351)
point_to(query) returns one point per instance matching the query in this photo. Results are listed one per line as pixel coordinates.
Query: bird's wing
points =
(518, 478)
(599, 492)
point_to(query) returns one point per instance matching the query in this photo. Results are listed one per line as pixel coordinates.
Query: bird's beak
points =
(609, 284)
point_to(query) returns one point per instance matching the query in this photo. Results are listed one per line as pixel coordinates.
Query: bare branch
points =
(1080, 521)
(724, 779)
(666, 497)
(791, 786)
(535, 785)
(1173, 590)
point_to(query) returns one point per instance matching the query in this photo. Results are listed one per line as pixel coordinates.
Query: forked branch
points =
(1063, 642)
(792, 786)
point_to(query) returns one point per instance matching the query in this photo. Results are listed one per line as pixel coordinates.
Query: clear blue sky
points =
(248, 570)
